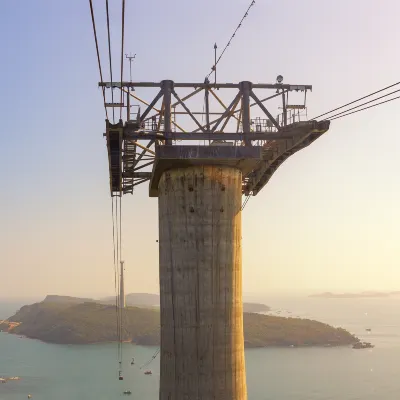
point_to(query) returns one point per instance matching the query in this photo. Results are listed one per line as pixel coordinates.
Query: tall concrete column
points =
(202, 349)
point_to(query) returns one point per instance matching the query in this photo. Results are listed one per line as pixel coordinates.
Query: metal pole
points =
(128, 105)
(215, 64)
(207, 106)
(245, 89)
(167, 87)
(284, 108)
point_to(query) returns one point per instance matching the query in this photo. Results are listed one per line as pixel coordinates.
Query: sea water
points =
(89, 372)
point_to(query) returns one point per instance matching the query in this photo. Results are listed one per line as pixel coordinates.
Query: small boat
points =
(127, 392)
(14, 378)
(368, 329)
(363, 345)
(147, 372)
(133, 361)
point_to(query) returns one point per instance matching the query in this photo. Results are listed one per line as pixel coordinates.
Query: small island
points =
(76, 322)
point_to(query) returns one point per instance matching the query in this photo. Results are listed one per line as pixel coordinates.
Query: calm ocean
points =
(57, 372)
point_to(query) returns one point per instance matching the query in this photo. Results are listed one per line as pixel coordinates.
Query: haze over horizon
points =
(328, 220)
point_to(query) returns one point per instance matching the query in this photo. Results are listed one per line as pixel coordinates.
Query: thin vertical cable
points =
(109, 57)
(122, 53)
(98, 56)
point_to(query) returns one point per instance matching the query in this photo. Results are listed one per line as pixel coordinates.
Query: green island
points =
(78, 321)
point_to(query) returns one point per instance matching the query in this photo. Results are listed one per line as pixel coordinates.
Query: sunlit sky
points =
(328, 219)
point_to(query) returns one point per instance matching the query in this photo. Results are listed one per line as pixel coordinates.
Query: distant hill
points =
(69, 323)
(136, 299)
(255, 308)
(153, 300)
(52, 298)
(329, 295)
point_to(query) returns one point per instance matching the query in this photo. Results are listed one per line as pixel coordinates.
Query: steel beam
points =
(214, 136)
(206, 85)
(143, 166)
(245, 89)
(167, 87)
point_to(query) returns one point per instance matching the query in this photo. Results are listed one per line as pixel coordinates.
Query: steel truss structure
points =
(136, 144)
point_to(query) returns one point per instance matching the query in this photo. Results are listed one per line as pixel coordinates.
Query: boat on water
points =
(368, 329)
(12, 378)
(148, 373)
(363, 345)
(127, 392)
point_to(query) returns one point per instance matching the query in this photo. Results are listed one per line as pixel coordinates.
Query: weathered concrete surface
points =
(244, 158)
(202, 349)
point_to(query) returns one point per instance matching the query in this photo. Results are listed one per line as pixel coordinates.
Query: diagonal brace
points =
(151, 105)
(187, 110)
(227, 111)
(230, 114)
(144, 151)
(261, 105)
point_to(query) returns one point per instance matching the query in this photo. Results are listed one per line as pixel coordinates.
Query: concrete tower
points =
(122, 288)
(199, 184)
(201, 284)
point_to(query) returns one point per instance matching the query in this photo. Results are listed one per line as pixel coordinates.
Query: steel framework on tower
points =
(233, 135)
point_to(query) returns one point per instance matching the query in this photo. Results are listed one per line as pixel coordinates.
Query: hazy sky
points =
(329, 219)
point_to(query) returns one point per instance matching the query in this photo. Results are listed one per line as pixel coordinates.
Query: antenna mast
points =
(130, 58)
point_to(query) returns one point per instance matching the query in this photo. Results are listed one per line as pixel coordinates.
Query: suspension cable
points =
(122, 53)
(118, 285)
(365, 108)
(122, 266)
(98, 55)
(109, 58)
(230, 40)
(355, 101)
(363, 104)
(157, 352)
(245, 202)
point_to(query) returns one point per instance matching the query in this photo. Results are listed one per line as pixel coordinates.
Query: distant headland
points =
(329, 295)
(71, 320)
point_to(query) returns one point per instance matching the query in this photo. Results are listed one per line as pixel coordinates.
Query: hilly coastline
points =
(77, 322)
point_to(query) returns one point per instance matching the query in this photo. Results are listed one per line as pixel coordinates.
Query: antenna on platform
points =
(128, 94)
(130, 58)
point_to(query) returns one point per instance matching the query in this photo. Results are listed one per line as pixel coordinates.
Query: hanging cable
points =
(122, 314)
(245, 202)
(363, 104)
(119, 328)
(122, 53)
(98, 55)
(355, 101)
(146, 364)
(109, 58)
(213, 68)
(365, 108)
(115, 275)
